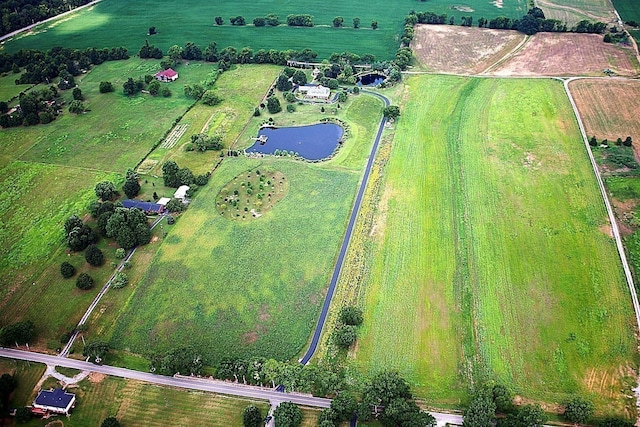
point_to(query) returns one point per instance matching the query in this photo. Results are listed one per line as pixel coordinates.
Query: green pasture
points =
(8, 88)
(233, 288)
(137, 403)
(27, 374)
(629, 11)
(121, 23)
(493, 261)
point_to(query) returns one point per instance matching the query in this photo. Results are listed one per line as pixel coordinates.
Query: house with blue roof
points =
(57, 401)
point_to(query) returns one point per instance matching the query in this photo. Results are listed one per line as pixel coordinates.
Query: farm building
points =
(315, 92)
(146, 207)
(163, 201)
(181, 192)
(168, 75)
(57, 401)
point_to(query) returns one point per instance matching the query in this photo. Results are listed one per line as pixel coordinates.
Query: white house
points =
(315, 92)
(57, 401)
(181, 192)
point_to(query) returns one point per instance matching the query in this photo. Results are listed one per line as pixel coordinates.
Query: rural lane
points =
(347, 237)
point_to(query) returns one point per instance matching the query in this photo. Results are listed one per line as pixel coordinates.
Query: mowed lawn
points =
(494, 261)
(123, 23)
(242, 288)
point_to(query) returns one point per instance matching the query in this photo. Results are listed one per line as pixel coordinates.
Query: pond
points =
(371, 79)
(313, 142)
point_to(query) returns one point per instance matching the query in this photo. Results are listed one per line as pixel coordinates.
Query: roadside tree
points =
(251, 417)
(287, 414)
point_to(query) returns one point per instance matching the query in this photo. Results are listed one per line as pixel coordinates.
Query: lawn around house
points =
(492, 261)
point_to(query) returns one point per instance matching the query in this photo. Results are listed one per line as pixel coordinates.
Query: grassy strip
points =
(490, 263)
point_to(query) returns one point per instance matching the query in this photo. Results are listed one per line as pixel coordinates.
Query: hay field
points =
(489, 261)
(553, 54)
(461, 50)
(572, 11)
(609, 108)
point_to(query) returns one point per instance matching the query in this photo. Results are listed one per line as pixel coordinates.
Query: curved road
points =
(347, 237)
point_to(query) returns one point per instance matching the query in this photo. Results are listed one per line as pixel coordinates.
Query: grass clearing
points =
(477, 187)
(569, 54)
(121, 23)
(453, 49)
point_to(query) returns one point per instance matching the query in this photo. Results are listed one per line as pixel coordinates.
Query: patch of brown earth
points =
(606, 229)
(96, 377)
(250, 337)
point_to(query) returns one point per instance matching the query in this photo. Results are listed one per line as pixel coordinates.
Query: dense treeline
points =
(44, 67)
(16, 14)
(533, 22)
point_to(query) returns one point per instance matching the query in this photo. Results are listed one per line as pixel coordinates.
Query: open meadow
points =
(490, 253)
(113, 23)
(568, 54)
(629, 11)
(462, 50)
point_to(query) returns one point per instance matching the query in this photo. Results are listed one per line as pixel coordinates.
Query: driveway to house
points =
(347, 237)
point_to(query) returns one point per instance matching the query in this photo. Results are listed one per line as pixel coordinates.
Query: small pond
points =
(313, 142)
(371, 79)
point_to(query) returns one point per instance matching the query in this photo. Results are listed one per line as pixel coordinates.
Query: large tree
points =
(481, 411)
(110, 422)
(105, 190)
(273, 105)
(578, 410)
(17, 333)
(94, 256)
(96, 351)
(287, 414)
(252, 417)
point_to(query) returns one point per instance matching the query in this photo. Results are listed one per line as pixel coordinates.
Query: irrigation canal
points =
(347, 237)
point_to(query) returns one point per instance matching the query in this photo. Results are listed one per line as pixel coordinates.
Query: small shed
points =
(146, 207)
(181, 192)
(57, 401)
(163, 201)
(168, 75)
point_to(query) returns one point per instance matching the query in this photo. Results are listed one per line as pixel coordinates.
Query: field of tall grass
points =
(491, 257)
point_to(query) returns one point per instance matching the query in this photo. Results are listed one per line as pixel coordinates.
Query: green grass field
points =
(121, 23)
(26, 374)
(491, 259)
(629, 11)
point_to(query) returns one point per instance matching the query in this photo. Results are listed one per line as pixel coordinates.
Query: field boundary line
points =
(82, 168)
(28, 27)
(614, 225)
(508, 55)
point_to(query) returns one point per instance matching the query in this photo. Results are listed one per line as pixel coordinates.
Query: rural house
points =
(57, 401)
(181, 192)
(168, 75)
(146, 207)
(315, 92)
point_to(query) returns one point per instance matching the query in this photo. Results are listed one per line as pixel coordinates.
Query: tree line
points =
(531, 23)
(16, 14)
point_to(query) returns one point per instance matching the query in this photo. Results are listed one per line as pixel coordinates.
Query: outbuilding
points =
(57, 401)
(181, 192)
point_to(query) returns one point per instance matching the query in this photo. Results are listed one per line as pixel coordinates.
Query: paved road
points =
(96, 300)
(347, 237)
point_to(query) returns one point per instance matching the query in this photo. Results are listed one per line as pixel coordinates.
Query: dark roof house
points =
(147, 207)
(57, 401)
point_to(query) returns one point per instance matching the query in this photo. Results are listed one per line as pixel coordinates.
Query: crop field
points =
(121, 23)
(491, 259)
(553, 54)
(472, 50)
(609, 108)
(629, 11)
(242, 288)
(572, 11)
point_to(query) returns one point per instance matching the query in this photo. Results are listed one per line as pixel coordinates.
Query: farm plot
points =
(628, 10)
(609, 108)
(234, 288)
(449, 49)
(176, 133)
(550, 54)
(572, 11)
(488, 258)
(122, 23)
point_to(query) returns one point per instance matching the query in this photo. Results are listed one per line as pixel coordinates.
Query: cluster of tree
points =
(345, 332)
(174, 176)
(204, 142)
(533, 22)
(287, 414)
(78, 235)
(252, 417)
(110, 422)
(16, 14)
(150, 51)
(616, 36)
(300, 20)
(183, 360)
(36, 106)
(321, 380)
(627, 142)
(45, 67)
(273, 105)
(8, 383)
(238, 20)
(153, 86)
(17, 333)
(289, 77)
(271, 20)
(128, 227)
(96, 351)
(391, 112)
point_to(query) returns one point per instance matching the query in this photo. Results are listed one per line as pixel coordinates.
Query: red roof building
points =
(168, 75)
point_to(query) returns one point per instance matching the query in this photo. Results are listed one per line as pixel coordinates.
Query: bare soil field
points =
(572, 11)
(551, 54)
(609, 107)
(461, 50)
